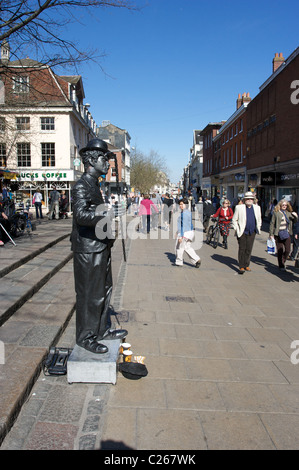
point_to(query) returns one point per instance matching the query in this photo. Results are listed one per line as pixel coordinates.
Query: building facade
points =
(229, 165)
(43, 125)
(196, 164)
(257, 148)
(272, 133)
(120, 139)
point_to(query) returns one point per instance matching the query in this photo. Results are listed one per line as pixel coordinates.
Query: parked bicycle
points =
(213, 234)
(19, 219)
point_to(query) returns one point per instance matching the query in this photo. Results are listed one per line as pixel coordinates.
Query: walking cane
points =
(114, 157)
(7, 234)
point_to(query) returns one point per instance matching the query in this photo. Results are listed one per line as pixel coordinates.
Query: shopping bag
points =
(271, 246)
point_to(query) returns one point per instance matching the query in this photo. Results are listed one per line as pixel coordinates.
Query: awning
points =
(8, 174)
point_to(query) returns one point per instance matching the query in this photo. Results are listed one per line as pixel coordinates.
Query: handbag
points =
(283, 234)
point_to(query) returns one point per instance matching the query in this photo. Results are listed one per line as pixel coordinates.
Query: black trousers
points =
(93, 286)
(245, 249)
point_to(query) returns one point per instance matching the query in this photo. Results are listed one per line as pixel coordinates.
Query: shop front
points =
(233, 186)
(277, 185)
(29, 182)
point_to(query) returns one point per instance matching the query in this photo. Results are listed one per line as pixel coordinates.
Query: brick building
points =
(257, 148)
(208, 183)
(230, 152)
(272, 133)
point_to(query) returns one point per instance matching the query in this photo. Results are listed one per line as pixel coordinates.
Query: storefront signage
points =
(42, 175)
(273, 178)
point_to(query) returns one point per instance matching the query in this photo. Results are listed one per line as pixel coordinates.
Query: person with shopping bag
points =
(281, 230)
(185, 236)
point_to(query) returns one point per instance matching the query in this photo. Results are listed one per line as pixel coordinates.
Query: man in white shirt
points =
(37, 198)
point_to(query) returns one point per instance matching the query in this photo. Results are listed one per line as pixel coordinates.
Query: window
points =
(241, 151)
(2, 154)
(236, 153)
(47, 123)
(2, 124)
(241, 125)
(24, 154)
(20, 84)
(48, 154)
(23, 123)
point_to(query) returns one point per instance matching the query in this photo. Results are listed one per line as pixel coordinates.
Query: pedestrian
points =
(37, 201)
(146, 209)
(185, 235)
(224, 215)
(54, 204)
(281, 229)
(92, 253)
(167, 210)
(247, 222)
(63, 205)
(208, 210)
(295, 240)
(155, 215)
(4, 222)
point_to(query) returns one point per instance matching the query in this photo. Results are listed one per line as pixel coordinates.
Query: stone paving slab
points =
(220, 375)
(46, 234)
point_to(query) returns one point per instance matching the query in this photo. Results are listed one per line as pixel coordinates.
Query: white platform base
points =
(88, 367)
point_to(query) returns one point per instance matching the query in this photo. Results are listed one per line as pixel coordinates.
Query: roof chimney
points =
(244, 99)
(277, 61)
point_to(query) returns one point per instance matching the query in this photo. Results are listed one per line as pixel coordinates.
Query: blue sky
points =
(177, 65)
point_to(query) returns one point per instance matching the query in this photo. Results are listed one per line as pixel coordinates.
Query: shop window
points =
(47, 123)
(48, 154)
(23, 123)
(24, 154)
(2, 154)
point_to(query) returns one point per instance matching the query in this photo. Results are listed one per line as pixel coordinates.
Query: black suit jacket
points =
(87, 197)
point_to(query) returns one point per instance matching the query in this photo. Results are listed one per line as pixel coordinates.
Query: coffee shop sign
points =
(44, 175)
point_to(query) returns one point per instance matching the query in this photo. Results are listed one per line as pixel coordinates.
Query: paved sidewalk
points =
(217, 347)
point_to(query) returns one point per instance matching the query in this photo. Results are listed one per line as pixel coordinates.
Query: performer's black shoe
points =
(113, 334)
(91, 344)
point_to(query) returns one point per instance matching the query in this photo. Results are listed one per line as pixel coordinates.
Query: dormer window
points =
(20, 84)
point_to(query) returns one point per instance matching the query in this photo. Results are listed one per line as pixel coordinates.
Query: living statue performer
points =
(92, 254)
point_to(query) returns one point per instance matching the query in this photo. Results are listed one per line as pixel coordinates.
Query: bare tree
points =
(39, 26)
(147, 170)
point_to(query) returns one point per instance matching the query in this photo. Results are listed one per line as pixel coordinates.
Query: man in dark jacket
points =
(208, 210)
(92, 253)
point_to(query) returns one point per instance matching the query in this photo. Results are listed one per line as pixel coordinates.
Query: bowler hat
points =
(133, 370)
(95, 144)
